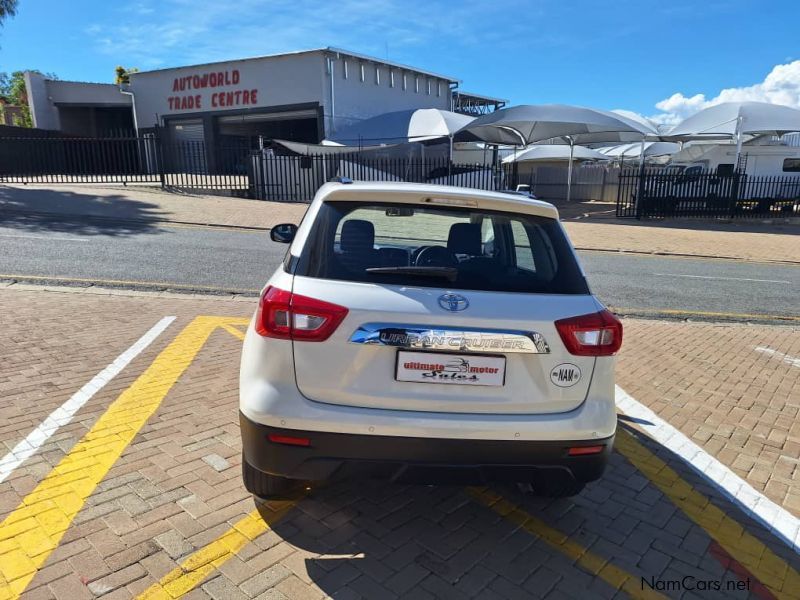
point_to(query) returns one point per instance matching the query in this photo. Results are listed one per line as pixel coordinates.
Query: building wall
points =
(85, 94)
(356, 100)
(43, 113)
(283, 81)
(248, 85)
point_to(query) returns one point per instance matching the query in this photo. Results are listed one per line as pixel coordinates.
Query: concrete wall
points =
(86, 94)
(356, 100)
(276, 81)
(43, 113)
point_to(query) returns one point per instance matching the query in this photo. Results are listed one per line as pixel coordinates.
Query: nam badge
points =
(565, 375)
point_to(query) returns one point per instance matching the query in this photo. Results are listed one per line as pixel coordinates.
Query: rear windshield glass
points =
(457, 248)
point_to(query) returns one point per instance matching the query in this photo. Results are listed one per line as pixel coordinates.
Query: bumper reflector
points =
(289, 440)
(583, 450)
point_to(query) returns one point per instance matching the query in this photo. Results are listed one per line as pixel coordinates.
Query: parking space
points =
(139, 493)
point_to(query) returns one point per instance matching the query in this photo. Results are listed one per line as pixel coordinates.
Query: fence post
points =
(159, 153)
(640, 194)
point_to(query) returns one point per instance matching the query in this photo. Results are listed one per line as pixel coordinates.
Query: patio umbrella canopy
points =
(529, 123)
(554, 152)
(733, 120)
(635, 150)
(727, 120)
(403, 126)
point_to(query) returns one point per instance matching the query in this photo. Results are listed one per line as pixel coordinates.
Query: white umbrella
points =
(528, 124)
(554, 152)
(402, 126)
(732, 120)
(635, 150)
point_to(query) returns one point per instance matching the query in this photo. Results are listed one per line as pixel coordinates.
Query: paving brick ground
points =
(589, 224)
(177, 487)
(734, 389)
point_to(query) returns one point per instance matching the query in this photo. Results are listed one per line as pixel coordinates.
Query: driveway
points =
(121, 475)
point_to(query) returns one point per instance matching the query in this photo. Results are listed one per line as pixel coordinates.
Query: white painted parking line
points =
(42, 237)
(64, 413)
(789, 360)
(755, 504)
(723, 278)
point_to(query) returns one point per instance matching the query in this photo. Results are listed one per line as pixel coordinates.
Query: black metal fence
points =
(78, 160)
(297, 178)
(230, 169)
(668, 192)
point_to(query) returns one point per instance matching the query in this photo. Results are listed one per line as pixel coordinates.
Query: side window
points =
(725, 170)
(791, 165)
(522, 247)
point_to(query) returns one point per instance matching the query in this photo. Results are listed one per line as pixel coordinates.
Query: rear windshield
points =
(457, 248)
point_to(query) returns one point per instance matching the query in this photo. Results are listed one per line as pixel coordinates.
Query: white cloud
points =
(780, 86)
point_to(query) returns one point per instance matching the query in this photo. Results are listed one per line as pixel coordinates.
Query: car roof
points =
(432, 195)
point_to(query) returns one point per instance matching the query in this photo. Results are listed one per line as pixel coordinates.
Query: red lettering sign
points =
(214, 79)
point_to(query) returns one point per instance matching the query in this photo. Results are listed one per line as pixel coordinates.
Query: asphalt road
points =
(224, 259)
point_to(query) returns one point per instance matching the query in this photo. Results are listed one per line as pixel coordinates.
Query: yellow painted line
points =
(771, 570)
(699, 313)
(194, 569)
(597, 565)
(179, 286)
(34, 529)
(233, 331)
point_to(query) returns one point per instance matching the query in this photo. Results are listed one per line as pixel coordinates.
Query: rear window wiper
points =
(449, 273)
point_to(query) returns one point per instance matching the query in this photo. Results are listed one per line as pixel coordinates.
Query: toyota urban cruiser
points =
(431, 334)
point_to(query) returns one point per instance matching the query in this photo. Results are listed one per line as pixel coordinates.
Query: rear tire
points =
(265, 485)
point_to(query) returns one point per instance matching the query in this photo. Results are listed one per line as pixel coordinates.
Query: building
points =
(300, 96)
(78, 108)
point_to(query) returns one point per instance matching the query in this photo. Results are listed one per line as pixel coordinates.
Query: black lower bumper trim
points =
(411, 459)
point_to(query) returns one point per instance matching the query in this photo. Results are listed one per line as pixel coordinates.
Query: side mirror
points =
(283, 233)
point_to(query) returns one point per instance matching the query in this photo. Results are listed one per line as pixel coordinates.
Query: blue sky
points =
(626, 54)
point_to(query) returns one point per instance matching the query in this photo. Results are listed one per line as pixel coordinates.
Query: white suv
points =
(428, 334)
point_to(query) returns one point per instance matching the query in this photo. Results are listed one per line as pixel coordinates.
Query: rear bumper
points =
(412, 459)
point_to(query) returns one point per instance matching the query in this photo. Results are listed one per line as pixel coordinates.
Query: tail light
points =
(595, 334)
(289, 316)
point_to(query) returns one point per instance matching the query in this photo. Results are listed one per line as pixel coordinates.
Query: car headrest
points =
(464, 238)
(357, 235)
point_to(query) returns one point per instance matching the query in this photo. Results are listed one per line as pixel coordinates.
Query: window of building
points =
(362, 72)
(416, 84)
(405, 82)
(438, 88)
(377, 75)
(429, 87)
(791, 165)
(725, 169)
(345, 68)
(391, 78)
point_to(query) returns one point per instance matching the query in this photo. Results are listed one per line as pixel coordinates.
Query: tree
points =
(123, 75)
(14, 92)
(8, 8)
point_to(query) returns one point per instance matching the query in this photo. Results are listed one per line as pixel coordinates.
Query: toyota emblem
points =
(453, 302)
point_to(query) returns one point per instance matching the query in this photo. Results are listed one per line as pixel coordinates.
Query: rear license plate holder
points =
(450, 369)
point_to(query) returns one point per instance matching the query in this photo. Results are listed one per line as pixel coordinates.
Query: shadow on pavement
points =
(37, 210)
(377, 540)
